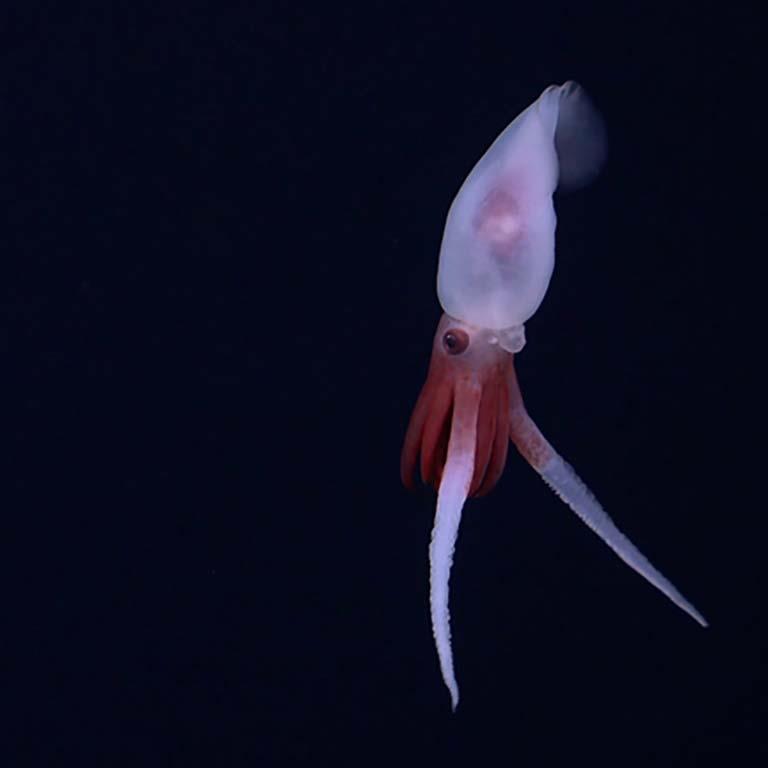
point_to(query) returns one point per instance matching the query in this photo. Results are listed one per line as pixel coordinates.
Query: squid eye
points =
(455, 341)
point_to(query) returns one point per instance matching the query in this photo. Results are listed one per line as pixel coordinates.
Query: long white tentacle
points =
(454, 487)
(564, 481)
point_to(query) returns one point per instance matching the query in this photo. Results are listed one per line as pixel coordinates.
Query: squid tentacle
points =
(452, 493)
(564, 481)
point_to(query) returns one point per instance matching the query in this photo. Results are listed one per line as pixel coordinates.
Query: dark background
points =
(219, 228)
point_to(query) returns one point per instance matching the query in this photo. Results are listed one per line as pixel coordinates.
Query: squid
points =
(496, 260)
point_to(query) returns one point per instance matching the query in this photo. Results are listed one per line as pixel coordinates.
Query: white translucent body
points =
(498, 248)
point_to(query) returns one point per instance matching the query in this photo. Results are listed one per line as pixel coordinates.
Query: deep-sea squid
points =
(496, 260)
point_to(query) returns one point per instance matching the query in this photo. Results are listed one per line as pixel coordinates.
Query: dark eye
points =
(455, 341)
